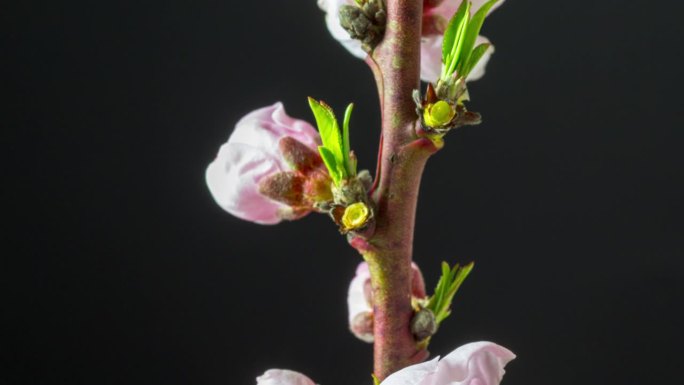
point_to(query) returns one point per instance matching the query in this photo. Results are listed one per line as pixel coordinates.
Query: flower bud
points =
(298, 155)
(364, 21)
(269, 169)
(362, 326)
(360, 300)
(283, 377)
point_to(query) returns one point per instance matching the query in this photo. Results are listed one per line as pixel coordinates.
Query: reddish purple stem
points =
(396, 65)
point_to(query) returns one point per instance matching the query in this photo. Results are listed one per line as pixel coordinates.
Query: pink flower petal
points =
(448, 7)
(357, 300)
(360, 296)
(477, 363)
(332, 21)
(431, 58)
(251, 154)
(283, 377)
(413, 375)
(263, 128)
(479, 70)
(233, 179)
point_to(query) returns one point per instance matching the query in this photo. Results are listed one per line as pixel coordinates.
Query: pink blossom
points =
(477, 363)
(283, 377)
(431, 44)
(359, 304)
(251, 155)
(448, 7)
(360, 300)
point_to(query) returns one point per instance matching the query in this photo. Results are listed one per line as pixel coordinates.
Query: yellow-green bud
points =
(438, 114)
(355, 216)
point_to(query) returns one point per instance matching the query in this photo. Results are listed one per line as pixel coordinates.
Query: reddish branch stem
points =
(396, 65)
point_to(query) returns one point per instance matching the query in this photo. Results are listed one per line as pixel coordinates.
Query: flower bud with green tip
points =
(269, 170)
(360, 299)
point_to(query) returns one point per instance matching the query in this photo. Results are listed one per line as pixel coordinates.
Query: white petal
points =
(448, 7)
(332, 21)
(283, 377)
(431, 59)
(356, 296)
(263, 128)
(479, 70)
(233, 179)
(477, 363)
(419, 374)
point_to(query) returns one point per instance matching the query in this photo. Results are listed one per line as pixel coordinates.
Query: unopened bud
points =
(365, 22)
(362, 326)
(285, 187)
(298, 155)
(423, 324)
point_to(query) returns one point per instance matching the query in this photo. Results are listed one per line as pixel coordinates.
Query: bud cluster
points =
(365, 22)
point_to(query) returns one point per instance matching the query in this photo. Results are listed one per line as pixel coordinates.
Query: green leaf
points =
(329, 130)
(472, 31)
(351, 168)
(453, 38)
(456, 279)
(447, 286)
(475, 57)
(331, 164)
(453, 26)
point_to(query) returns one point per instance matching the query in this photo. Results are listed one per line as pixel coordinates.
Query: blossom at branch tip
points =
(360, 300)
(269, 169)
(435, 20)
(477, 363)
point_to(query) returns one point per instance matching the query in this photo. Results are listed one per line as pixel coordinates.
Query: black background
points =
(118, 267)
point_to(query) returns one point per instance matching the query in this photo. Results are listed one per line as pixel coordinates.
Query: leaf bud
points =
(423, 324)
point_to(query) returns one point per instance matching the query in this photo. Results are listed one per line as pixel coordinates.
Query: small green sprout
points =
(447, 286)
(459, 54)
(335, 150)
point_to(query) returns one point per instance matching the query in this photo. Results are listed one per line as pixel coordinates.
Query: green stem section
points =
(396, 66)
